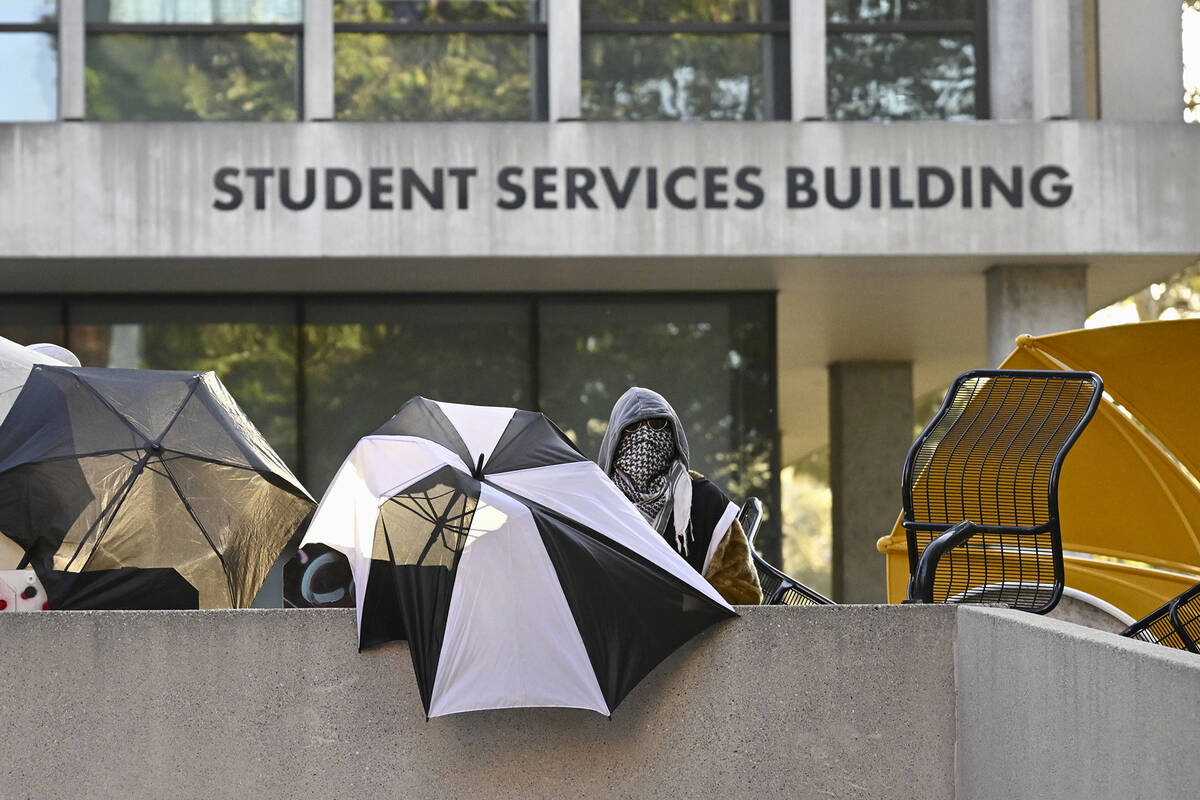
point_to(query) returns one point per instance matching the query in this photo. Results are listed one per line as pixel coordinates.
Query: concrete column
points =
(318, 60)
(1010, 56)
(1034, 299)
(1052, 59)
(870, 431)
(1035, 72)
(1140, 60)
(72, 103)
(564, 45)
(808, 58)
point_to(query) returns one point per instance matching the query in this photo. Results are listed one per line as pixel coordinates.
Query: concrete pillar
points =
(1140, 60)
(1034, 299)
(1052, 59)
(1034, 71)
(870, 431)
(564, 59)
(318, 60)
(808, 58)
(1010, 57)
(72, 103)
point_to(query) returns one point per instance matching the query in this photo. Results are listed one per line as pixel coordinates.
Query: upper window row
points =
(441, 60)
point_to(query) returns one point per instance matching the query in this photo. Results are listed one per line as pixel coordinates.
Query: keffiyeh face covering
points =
(642, 471)
(643, 458)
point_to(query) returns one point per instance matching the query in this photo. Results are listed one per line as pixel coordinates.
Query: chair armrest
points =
(920, 588)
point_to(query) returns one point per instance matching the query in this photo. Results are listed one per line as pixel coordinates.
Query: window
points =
(440, 60)
(906, 59)
(683, 60)
(28, 61)
(364, 358)
(712, 357)
(317, 373)
(182, 60)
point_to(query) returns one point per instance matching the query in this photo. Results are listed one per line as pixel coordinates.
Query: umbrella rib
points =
(109, 511)
(178, 411)
(210, 460)
(109, 406)
(77, 456)
(207, 538)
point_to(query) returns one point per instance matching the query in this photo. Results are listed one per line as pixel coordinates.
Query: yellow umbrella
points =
(1128, 491)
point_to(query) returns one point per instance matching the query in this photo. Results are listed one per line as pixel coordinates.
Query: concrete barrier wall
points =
(1049, 709)
(274, 704)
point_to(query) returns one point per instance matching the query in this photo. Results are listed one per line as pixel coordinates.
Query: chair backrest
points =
(1175, 624)
(992, 455)
(778, 587)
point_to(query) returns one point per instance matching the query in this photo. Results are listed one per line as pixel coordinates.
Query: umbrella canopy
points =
(1128, 490)
(107, 469)
(517, 572)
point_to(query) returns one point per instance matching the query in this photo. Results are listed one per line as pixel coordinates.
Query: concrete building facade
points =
(877, 257)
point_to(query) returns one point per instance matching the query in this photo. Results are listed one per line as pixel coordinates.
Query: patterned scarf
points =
(643, 470)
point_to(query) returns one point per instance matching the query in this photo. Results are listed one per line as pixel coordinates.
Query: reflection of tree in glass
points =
(676, 76)
(249, 76)
(257, 364)
(897, 76)
(358, 375)
(442, 77)
(679, 75)
(884, 11)
(711, 361)
(673, 10)
(445, 77)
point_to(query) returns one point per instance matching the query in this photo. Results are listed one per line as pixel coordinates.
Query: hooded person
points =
(645, 452)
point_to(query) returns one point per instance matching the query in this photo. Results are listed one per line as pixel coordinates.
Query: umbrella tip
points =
(477, 474)
(1025, 340)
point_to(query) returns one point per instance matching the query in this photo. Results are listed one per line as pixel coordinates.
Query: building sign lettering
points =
(640, 188)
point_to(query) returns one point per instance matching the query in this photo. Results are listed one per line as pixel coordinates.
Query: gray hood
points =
(636, 405)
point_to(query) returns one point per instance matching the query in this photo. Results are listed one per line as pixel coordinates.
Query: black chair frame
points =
(787, 590)
(947, 536)
(1160, 625)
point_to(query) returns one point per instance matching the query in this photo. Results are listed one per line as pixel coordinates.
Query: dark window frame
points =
(29, 27)
(977, 27)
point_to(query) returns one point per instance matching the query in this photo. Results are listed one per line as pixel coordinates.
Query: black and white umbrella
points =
(517, 572)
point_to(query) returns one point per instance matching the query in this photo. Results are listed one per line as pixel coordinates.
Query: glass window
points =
(713, 359)
(905, 59)
(462, 60)
(363, 360)
(681, 60)
(250, 344)
(33, 320)
(28, 61)
(154, 60)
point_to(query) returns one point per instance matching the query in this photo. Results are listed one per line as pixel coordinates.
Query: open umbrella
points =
(1129, 492)
(516, 571)
(135, 472)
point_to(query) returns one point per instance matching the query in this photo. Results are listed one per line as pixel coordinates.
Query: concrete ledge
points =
(1050, 709)
(279, 704)
(844, 701)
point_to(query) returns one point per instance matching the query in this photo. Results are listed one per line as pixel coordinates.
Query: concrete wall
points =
(1140, 59)
(1049, 709)
(848, 701)
(279, 704)
(149, 190)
